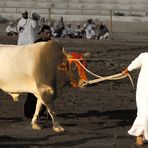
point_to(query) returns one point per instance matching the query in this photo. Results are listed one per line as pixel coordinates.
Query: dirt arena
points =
(97, 116)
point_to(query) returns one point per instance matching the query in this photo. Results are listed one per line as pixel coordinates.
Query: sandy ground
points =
(97, 116)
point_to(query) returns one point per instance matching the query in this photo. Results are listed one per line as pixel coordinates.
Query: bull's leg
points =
(35, 117)
(42, 88)
(47, 99)
(49, 103)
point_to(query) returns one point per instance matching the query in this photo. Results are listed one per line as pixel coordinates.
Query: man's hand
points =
(21, 29)
(125, 72)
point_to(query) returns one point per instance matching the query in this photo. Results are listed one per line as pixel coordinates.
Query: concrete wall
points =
(76, 10)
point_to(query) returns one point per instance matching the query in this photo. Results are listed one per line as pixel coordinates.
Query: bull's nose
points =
(82, 83)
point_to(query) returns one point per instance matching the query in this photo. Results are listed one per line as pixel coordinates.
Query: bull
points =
(41, 69)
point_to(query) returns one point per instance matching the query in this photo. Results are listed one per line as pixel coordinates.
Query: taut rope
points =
(100, 78)
(112, 77)
(85, 68)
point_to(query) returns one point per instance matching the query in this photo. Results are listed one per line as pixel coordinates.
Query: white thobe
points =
(89, 29)
(140, 125)
(27, 35)
(10, 29)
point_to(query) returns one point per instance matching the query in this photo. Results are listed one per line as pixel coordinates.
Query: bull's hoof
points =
(58, 129)
(36, 126)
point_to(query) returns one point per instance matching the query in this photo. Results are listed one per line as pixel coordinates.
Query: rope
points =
(85, 68)
(112, 77)
(131, 80)
(100, 78)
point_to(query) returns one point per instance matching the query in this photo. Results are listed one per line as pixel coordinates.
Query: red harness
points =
(81, 71)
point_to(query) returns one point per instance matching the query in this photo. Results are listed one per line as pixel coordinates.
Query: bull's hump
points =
(42, 45)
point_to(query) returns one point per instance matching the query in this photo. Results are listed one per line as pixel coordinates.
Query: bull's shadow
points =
(11, 142)
(10, 120)
(123, 117)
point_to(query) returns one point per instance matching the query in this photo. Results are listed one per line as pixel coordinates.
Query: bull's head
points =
(75, 73)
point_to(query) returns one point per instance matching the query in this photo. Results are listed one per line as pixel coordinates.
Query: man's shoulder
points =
(38, 40)
(41, 40)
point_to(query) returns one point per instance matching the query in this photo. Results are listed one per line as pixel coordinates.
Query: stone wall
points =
(76, 10)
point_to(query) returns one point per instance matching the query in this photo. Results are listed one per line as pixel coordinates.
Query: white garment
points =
(89, 29)
(10, 29)
(140, 125)
(105, 36)
(52, 31)
(68, 31)
(27, 35)
(90, 34)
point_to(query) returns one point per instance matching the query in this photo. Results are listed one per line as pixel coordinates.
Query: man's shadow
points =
(123, 117)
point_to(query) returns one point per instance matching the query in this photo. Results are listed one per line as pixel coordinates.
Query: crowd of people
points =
(89, 30)
(29, 29)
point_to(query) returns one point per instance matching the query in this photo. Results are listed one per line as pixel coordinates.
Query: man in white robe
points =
(89, 28)
(26, 30)
(140, 125)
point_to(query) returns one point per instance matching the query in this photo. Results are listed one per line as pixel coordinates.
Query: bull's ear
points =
(62, 67)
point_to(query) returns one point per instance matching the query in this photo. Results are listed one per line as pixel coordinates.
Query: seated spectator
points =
(11, 29)
(79, 32)
(52, 28)
(45, 34)
(43, 21)
(68, 31)
(89, 28)
(59, 27)
(103, 32)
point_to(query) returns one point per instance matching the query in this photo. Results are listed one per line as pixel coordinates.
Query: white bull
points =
(38, 68)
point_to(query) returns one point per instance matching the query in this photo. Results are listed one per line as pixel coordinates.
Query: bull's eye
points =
(62, 67)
